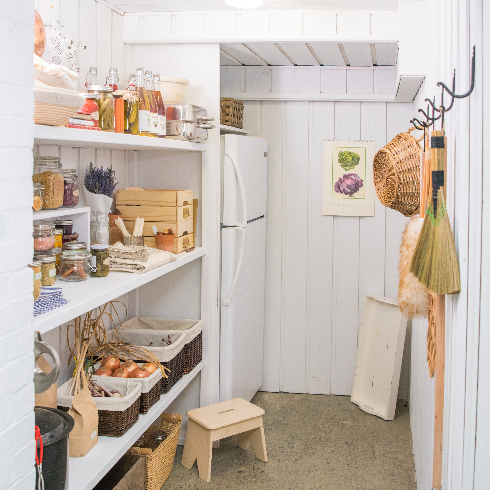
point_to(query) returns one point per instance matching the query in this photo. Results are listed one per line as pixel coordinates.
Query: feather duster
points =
(412, 295)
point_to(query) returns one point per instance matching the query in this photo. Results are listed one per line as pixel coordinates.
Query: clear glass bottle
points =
(71, 195)
(112, 79)
(162, 120)
(131, 108)
(144, 104)
(37, 196)
(75, 265)
(153, 104)
(91, 78)
(48, 172)
(99, 228)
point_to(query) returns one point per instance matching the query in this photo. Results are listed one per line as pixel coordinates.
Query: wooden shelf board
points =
(58, 213)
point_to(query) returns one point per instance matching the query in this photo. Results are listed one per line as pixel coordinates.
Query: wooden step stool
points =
(214, 422)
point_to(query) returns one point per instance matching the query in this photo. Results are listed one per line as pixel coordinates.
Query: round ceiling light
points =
(244, 4)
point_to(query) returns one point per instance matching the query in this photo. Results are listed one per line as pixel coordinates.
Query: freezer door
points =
(242, 322)
(250, 154)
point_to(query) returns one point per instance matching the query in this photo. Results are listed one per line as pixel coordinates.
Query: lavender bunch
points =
(100, 181)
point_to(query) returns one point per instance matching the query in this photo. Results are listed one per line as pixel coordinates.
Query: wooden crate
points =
(178, 227)
(232, 112)
(157, 213)
(154, 197)
(182, 243)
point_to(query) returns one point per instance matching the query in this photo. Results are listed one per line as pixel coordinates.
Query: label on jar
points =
(154, 122)
(144, 121)
(76, 192)
(162, 126)
(52, 272)
(38, 276)
(93, 263)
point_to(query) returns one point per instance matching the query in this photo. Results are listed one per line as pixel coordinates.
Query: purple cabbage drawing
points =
(348, 184)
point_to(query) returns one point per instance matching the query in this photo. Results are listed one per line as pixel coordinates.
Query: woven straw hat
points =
(396, 171)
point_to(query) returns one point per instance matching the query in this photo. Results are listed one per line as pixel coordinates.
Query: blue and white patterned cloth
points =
(50, 299)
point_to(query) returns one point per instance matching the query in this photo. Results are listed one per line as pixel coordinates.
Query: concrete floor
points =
(313, 442)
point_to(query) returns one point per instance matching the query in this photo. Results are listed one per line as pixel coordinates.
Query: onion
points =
(111, 362)
(103, 371)
(130, 366)
(121, 372)
(150, 366)
(140, 373)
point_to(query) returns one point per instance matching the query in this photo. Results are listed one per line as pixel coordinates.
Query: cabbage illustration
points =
(348, 159)
(348, 184)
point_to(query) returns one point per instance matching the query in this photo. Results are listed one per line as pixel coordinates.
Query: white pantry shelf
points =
(224, 129)
(95, 291)
(83, 138)
(60, 212)
(84, 473)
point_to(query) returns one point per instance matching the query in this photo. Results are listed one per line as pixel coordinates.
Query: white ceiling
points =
(309, 54)
(220, 5)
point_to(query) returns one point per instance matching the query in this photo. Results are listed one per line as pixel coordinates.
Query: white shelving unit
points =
(224, 129)
(86, 472)
(59, 213)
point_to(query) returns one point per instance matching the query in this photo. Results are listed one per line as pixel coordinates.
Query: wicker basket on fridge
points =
(160, 461)
(396, 171)
(232, 112)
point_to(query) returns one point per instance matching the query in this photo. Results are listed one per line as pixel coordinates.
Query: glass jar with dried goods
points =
(38, 194)
(100, 260)
(131, 108)
(43, 237)
(36, 270)
(48, 172)
(58, 247)
(48, 269)
(75, 266)
(71, 196)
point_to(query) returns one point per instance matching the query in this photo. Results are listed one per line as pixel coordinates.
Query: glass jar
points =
(48, 172)
(70, 238)
(38, 196)
(66, 225)
(90, 108)
(105, 102)
(36, 270)
(75, 265)
(58, 247)
(71, 195)
(99, 228)
(75, 246)
(48, 269)
(100, 260)
(43, 237)
(118, 113)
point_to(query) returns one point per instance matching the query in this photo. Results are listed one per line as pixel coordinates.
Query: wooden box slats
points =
(178, 227)
(182, 243)
(154, 197)
(157, 213)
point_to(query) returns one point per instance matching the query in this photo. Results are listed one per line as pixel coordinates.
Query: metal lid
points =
(75, 246)
(75, 254)
(53, 424)
(58, 231)
(99, 88)
(45, 228)
(38, 187)
(69, 171)
(64, 222)
(46, 259)
(99, 246)
(88, 95)
(35, 263)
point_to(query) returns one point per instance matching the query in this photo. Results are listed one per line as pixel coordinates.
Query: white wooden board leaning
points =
(379, 357)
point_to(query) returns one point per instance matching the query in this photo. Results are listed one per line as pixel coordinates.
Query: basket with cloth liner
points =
(167, 345)
(396, 173)
(116, 415)
(160, 461)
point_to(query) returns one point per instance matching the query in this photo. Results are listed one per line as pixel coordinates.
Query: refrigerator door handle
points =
(240, 226)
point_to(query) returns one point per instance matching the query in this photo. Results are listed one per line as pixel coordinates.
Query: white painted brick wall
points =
(16, 337)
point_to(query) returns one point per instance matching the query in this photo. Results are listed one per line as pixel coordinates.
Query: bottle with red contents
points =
(162, 120)
(112, 79)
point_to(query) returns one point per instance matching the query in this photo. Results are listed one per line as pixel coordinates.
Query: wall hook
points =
(472, 85)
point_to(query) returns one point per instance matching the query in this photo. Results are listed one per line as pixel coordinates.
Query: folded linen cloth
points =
(50, 299)
(136, 259)
(54, 75)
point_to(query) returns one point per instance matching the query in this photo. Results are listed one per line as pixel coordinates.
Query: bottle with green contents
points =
(131, 108)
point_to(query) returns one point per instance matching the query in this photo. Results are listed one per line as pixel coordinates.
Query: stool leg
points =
(189, 455)
(198, 445)
(256, 439)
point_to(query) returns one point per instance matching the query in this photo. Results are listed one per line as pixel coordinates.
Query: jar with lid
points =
(48, 172)
(38, 196)
(113, 78)
(105, 101)
(43, 237)
(90, 108)
(48, 269)
(66, 225)
(75, 265)
(70, 238)
(100, 260)
(71, 195)
(36, 270)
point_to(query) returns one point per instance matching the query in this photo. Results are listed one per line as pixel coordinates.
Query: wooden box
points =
(154, 197)
(232, 112)
(178, 227)
(157, 213)
(182, 243)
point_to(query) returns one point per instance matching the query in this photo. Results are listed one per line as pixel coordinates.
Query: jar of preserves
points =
(48, 269)
(118, 112)
(90, 108)
(75, 265)
(71, 195)
(66, 225)
(48, 172)
(43, 237)
(105, 102)
(38, 196)
(36, 270)
(100, 260)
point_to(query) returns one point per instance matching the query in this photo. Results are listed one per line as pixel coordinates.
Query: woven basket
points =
(176, 366)
(159, 462)
(192, 354)
(396, 170)
(232, 112)
(52, 115)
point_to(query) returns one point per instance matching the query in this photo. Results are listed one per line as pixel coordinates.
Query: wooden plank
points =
(258, 80)
(252, 25)
(358, 22)
(320, 252)
(293, 334)
(333, 81)
(360, 81)
(358, 54)
(241, 53)
(307, 80)
(290, 24)
(154, 197)
(221, 25)
(386, 53)
(345, 300)
(156, 213)
(299, 53)
(270, 53)
(282, 80)
(188, 25)
(328, 53)
(273, 116)
(178, 227)
(225, 60)
(320, 24)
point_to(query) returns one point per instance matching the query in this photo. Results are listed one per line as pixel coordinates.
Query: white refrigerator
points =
(243, 229)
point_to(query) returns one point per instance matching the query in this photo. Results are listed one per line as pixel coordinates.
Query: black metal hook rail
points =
(442, 109)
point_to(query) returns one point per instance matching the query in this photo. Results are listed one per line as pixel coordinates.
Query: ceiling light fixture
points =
(244, 4)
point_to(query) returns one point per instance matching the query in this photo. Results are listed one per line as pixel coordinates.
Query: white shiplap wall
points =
(320, 267)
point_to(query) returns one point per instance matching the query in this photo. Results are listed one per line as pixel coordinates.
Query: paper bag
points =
(49, 398)
(83, 437)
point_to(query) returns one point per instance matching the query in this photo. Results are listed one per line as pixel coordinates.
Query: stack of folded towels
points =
(136, 259)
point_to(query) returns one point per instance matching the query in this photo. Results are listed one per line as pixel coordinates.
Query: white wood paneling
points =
(320, 24)
(360, 22)
(158, 26)
(299, 53)
(232, 80)
(384, 24)
(286, 24)
(334, 81)
(283, 81)
(188, 25)
(307, 81)
(328, 53)
(104, 41)
(358, 54)
(250, 25)
(360, 81)
(384, 81)
(270, 53)
(225, 60)
(258, 80)
(221, 25)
